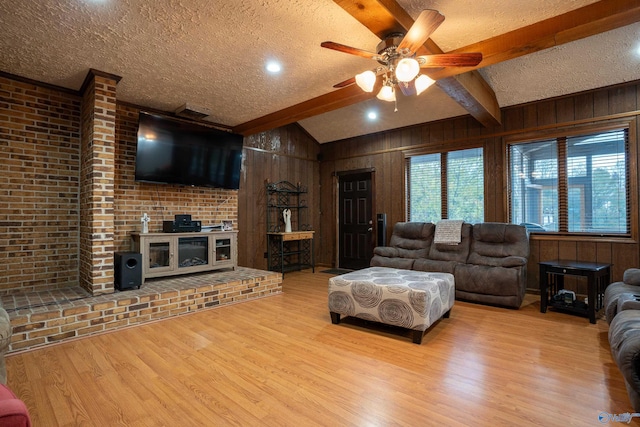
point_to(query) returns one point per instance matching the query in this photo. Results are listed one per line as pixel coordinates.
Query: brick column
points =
(97, 182)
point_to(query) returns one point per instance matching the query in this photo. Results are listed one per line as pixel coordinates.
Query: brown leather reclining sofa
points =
(489, 264)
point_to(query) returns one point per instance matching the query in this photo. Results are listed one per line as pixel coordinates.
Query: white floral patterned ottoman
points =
(405, 298)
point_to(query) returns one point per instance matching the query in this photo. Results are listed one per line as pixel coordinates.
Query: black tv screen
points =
(176, 152)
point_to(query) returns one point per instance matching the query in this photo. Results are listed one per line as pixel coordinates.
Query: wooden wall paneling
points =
(604, 252)
(371, 145)
(565, 110)
(281, 169)
(382, 193)
(244, 258)
(584, 106)
(351, 149)
(624, 255)
(257, 204)
(419, 137)
(586, 251)
(436, 133)
(397, 186)
(546, 113)
(549, 250)
(460, 129)
(530, 116)
(448, 132)
(567, 249)
(502, 213)
(394, 215)
(513, 118)
(601, 102)
(494, 182)
(316, 209)
(381, 142)
(533, 270)
(474, 128)
(251, 234)
(326, 214)
(403, 138)
(622, 99)
(425, 137)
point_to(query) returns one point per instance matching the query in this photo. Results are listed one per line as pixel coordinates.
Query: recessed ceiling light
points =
(372, 115)
(273, 67)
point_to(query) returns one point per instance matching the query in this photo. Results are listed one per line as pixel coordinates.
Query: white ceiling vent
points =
(192, 112)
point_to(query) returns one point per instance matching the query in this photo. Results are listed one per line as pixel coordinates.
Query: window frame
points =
(572, 131)
(408, 154)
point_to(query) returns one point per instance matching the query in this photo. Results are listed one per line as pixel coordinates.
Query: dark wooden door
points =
(355, 227)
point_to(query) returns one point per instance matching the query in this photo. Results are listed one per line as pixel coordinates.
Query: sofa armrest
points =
(13, 411)
(632, 276)
(624, 340)
(514, 261)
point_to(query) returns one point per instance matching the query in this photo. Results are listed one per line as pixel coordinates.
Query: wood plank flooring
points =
(278, 361)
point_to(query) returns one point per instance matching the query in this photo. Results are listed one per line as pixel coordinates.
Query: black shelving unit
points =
(293, 250)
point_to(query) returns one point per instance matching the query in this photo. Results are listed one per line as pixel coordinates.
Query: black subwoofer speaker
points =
(128, 270)
(381, 226)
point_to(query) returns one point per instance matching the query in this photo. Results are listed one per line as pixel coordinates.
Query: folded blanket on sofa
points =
(448, 232)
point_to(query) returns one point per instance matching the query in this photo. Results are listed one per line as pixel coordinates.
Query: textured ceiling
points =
(212, 55)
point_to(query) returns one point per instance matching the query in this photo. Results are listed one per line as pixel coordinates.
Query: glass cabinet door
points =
(159, 254)
(193, 251)
(223, 249)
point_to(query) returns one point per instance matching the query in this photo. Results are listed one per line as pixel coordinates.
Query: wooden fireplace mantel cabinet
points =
(168, 254)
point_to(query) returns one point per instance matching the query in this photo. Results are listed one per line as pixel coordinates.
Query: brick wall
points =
(159, 299)
(96, 183)
(39, 175)
(40, 184)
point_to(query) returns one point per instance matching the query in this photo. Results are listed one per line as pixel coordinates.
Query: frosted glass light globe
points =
(407, 69)
(366, 80)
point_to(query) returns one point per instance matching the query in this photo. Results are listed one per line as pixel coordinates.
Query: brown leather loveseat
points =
(489, 264)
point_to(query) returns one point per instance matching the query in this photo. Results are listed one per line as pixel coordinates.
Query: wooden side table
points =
(552, 281)
(290, 251)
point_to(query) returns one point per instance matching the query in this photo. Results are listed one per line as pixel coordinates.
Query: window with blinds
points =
(446, 186)
(576, 184)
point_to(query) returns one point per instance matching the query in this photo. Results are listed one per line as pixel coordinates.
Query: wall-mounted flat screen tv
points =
(175, 152)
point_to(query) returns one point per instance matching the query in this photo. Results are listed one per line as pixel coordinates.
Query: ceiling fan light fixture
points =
(407, 69)
(387, 94)
(423, 83)
(366, 80)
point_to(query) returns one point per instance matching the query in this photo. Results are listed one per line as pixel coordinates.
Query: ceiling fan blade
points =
(450, 60)
(425, 25)
(348, 49)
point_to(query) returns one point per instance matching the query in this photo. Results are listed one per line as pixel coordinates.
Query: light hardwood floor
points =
(279, 361)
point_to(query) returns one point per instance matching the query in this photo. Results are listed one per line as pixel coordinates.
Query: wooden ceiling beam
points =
(328, 102)
(474, 94)
(587, 21)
